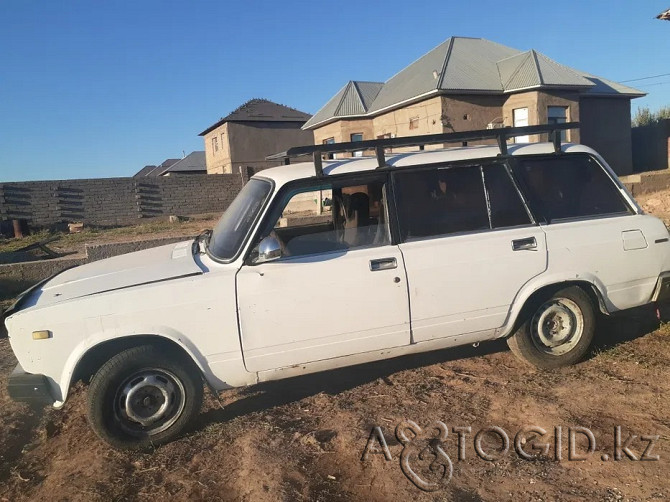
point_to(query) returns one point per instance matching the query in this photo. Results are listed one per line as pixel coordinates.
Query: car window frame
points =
(252, 228)
(541, 218)
(293, 187)
(481, 163)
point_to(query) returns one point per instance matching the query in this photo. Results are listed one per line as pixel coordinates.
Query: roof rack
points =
(378, 145)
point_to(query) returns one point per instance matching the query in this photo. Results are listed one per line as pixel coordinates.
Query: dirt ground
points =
(305, 438)
(73, 243)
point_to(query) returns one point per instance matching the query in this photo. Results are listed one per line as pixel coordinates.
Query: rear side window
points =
(507, 208)
(569, 186)
(441, 201)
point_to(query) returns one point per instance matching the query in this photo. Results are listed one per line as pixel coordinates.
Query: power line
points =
(657, 83)
(644, 78)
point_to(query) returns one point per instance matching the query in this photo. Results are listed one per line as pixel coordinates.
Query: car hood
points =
(133, 269)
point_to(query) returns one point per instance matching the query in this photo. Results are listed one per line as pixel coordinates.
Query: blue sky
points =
(93, 89)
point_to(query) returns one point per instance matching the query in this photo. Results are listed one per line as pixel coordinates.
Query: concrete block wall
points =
(116, 201)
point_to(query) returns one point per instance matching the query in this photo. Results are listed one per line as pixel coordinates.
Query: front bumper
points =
(662, 289)
(29, 388)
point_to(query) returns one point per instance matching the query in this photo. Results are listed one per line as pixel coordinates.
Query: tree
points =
(644, 116)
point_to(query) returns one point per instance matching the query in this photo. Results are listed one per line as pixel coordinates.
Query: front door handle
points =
(529, 243)
(383, 264)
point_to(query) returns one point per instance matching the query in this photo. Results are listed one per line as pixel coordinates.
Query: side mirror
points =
(268, 250)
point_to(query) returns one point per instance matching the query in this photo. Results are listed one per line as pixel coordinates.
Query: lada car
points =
(323, 264)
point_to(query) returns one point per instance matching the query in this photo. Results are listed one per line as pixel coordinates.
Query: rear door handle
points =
(529, 243)
(383, 264)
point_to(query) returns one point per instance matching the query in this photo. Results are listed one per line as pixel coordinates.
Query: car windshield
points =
(236, 222)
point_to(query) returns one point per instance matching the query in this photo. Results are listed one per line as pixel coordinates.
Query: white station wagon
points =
(332, 263)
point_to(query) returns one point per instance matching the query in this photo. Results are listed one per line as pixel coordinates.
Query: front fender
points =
(95, 340)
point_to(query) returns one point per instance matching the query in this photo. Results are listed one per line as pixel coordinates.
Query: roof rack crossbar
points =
(379, 145)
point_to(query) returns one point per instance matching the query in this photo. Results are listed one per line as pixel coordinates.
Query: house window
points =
(329, 141)
(558, 115)
(358, 136)
(520, 117)
(414, 123)
(215, 143)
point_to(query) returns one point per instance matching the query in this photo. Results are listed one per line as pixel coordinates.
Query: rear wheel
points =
(144, 396)
(558, 332)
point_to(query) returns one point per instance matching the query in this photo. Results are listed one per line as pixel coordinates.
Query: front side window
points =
(569, 186)
(330, 218)
(236, 222)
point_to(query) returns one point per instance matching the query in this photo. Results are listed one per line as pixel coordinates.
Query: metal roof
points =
(354, 98)
(604, 87)
(144, 171)
(471, 65)
(261, 110)
(461, 65)
(532, 69)
(194, 162)
(155, 170)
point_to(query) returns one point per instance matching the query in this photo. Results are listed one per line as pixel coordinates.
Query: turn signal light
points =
(41, 335)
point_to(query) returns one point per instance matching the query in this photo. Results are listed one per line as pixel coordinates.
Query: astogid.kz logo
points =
(425, 462)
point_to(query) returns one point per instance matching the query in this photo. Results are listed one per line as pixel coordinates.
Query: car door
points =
(339, 287)
(592, 231)
(469, 245)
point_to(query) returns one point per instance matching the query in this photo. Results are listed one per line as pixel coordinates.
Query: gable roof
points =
(354, 98)
(261, 110)
(155, 170)
(465, 66)
(194, 162)
(144, 171)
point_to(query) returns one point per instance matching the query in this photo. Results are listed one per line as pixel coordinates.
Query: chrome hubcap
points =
(149, 402)
(557, 326)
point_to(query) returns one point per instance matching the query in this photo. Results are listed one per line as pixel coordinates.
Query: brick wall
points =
(116, 201)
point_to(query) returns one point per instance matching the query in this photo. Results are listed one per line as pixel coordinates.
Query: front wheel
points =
(144, 396)
(558, 332)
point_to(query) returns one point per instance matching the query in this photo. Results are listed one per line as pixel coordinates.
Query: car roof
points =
(283, 174)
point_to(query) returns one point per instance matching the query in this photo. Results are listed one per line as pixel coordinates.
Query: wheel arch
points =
(94, 357)
(533, 298)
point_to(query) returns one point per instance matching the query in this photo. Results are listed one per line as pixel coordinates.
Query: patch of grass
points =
(9, 245)
(68, 241)
(619, 351)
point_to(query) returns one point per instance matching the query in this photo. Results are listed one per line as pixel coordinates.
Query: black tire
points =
(157, 379)
(548, 343)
